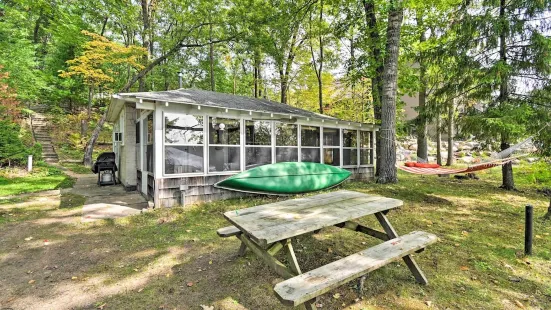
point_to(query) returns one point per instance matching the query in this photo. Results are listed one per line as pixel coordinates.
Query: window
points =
(286, 142)
(331, 146)
(366, 148)
(349, 147)
(310, 144)
(183, 143)
(149, 140)
(138, 132)
(258, 150)
(138, 148)
(225, 140)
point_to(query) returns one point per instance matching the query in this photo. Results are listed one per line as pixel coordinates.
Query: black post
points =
(528, 230)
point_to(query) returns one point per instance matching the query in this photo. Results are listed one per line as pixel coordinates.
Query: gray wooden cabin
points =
(172, 146)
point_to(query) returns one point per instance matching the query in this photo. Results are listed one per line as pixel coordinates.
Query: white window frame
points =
(339, 147)
(245, 145)
(360, 148)
(205, 141)
(297, 147)
(356, 148)
(240, 146)
(319, 148)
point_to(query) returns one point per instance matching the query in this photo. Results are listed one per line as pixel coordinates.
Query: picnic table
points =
(268, 229)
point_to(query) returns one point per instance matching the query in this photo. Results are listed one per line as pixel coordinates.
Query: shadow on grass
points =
(172, 258)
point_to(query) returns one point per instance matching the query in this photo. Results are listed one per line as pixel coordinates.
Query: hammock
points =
(435, 171)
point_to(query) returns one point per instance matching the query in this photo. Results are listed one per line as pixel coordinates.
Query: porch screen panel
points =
(286, 142)
(258, 150)
(331, 146)
(224, 144)
(310, 144)
(149, 143)
(349, 147)
(366, 148)
(183, 143)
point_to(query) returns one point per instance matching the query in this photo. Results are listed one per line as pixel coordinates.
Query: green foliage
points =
(13, 150)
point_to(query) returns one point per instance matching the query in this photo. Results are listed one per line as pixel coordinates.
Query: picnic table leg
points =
(410, 262)
(291, 257)
(271, 261)
(242, 249)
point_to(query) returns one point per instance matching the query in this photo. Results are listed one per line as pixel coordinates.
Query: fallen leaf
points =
(188, 230)
(538, 237)
(457, 244)
(31, 281)
(519, 304)
(168, 275)
(464, 268)
(210, 262)
(207, 307)
(74, 278)
(102, 306)
(28, 238)
(465, 233)
(140, 290)
(190, 284)
(136, 269)
(337, 296)
(428, 303)
(329, 250)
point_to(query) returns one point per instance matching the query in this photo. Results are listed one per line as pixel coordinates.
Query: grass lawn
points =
(77, 168)
(43, 177)
(173, 259)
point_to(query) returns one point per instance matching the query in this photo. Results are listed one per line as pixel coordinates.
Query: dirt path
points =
(105, 202)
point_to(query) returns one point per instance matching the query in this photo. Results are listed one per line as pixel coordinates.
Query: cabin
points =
(173, 146)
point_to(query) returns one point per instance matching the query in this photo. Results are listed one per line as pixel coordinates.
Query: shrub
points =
(13, 150)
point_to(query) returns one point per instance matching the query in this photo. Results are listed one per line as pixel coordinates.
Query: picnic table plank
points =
(279, 221)
(307, 286)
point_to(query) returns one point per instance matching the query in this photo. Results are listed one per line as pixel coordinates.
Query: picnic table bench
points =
(267, 229)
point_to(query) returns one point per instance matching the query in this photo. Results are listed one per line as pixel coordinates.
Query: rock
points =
(515, 161)
(532, 159)
(467, 159)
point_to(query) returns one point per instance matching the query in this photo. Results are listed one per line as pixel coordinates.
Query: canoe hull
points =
(286, 178)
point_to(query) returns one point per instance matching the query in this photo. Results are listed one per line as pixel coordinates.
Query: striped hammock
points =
(474, 168)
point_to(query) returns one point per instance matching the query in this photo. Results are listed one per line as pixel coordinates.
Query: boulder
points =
(532, 159)
(467, 159)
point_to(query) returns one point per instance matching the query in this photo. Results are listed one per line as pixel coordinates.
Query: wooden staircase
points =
(41, 133)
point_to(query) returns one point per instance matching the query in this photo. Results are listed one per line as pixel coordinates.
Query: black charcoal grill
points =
(105, 167)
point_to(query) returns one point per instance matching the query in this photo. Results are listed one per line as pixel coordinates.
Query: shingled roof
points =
(221, 100)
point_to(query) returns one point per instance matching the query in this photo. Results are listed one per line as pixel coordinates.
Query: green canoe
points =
(285, 178)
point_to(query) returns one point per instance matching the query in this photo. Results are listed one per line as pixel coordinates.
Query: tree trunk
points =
(145, 38)
(507, 169)
(90, 98)
(378, 63)
(88, 151)
(438, 141)
(255, 76)
(508, 181)
(451, 133)
(422, 148)
(547, 215)
(387, 170)
(211, 60)
(284, 86)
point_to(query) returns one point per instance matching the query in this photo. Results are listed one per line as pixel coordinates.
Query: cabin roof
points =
(216, 100)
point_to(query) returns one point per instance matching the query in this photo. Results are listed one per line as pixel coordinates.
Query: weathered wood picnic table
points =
(267, 229)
